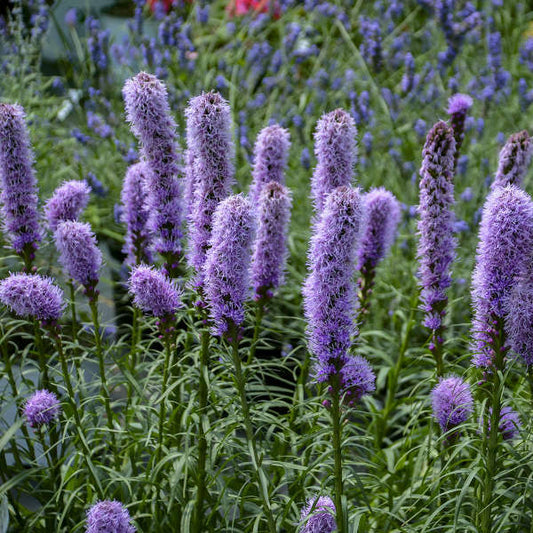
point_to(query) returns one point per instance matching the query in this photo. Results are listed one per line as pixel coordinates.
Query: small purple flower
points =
(436, 245)
(356, 379)
(42, 407)
(514, 160)
(32, 295)
(108, 517)
(509, 423)
(330, 301)
(227, 263)
(212, 153)
(270, 159)
(135, 214)
(71, 17)
(79, 253)
(153, 292)
(382, 214)
(318, 516)
(18, 185)
(148, 111)
(519, 317)
(458, 106)
(336, 154)
(504, 249)
(452, 402)
(270, 246)
(67, 202)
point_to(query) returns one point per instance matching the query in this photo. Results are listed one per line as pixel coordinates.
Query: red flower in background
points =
(167, 4)
(243, 7)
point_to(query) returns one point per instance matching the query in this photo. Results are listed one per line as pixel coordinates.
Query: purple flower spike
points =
(42, 407)
(154, 292)
(514, 160)
(509, 423)
(382, 214)
(19, 193)
(134, 198)
(270, 246)
(458, 106)
(436, 245)
(108, 517)
(336, 154)
(519, 317)
(318, 516)
(79, 253)
(357, 379)
(148, 112)
(227, 263)
(330, 301)
(33, 296)
(67, 202)
(504, 249)
(270, 159)
(209, 121)
(452, 402)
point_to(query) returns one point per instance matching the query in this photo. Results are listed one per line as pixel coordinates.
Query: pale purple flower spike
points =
(109, 517)
(67, 203)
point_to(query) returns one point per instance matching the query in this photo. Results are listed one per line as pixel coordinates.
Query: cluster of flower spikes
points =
(436, 245)
(19, 195)
(330, 301)
(148, 111)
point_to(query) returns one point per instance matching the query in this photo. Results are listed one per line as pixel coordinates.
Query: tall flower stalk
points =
(19, 194)
(436, 244)
(514, 160)
(503, 255)
(458, 107)
(148, 111)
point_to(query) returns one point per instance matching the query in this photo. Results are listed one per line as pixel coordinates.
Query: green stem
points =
(162, 407)
(260, 312)
(262, 479)
(437, 350)
(202, 493)
(45, 379)
(73, 311)
(337, 452)
(366, 284)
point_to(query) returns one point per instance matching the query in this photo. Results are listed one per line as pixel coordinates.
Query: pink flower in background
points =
(243, 7)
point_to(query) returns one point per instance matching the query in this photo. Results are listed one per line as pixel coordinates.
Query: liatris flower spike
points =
(452, 402)
(109, 517)
(318, 516)
(42, 407)
(458, 106)
(67, 202)
(135, 215)
(330, 301)
(518, 317)
(356, 379)
(382, 214)
(148, 111)
(514, 160)
(19, 193)
(270, 159)
(270, 246)
(504, 249)
(227, 264)
(209, 121)
(509, 423)
(336, 154)
(79, 253)
(153, 292)
(32, 296)
(436, 244)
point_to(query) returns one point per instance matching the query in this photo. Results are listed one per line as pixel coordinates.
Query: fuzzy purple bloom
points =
(227, 263)
(153, 292)
(452, 402)
(330, 301)
(318, 516)
(458, 106)
(270, 159)
(336, 154)
(108, 517)
(209, 120)
(519, 317)
(148, 112)
(135, 214)
(436, 245)
(356, 379)
(18, 185)
(32, 295)
(270, 246)
(514, 160)
(503, 253)
(42, 407)
(67, 202)
(79, 252)
(509, 423)
(382, 214)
